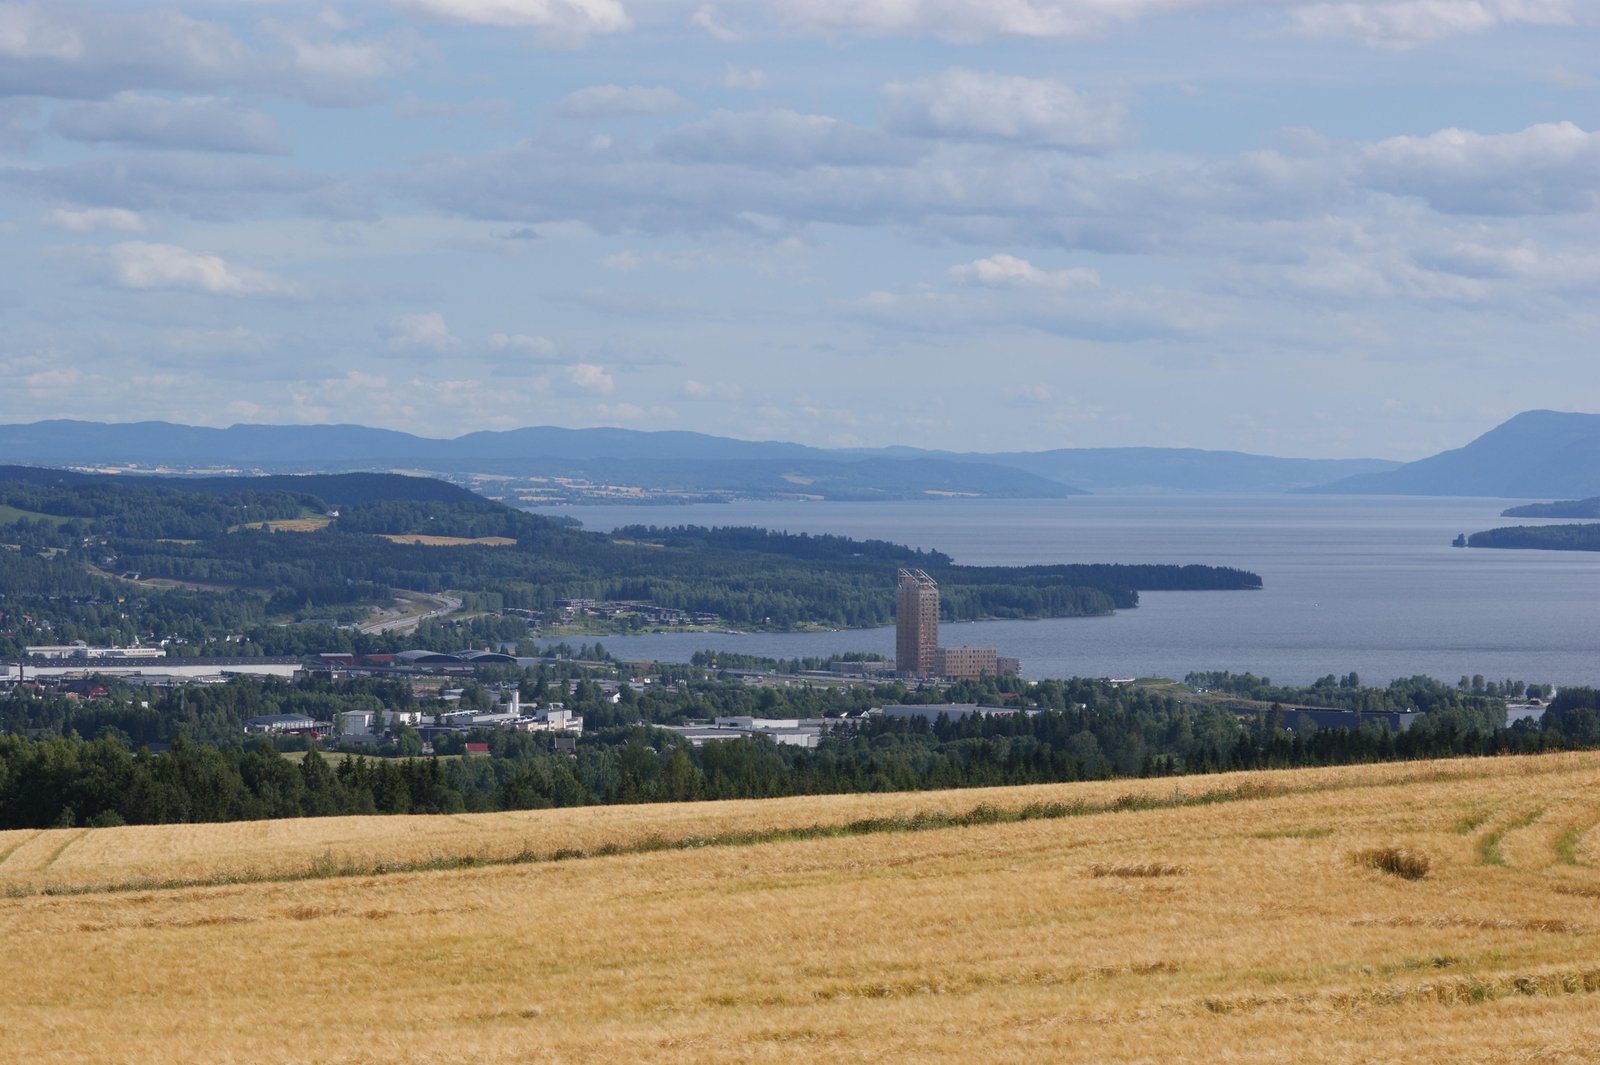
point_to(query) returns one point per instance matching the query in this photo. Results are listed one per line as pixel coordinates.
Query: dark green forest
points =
(1346, 692)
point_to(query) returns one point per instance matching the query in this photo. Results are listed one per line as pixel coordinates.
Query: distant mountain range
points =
(1535, 454)
(674, 463)
(667, 465)
(1539, 453)
(1167, 469)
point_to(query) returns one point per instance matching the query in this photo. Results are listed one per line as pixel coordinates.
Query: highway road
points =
(439, 606)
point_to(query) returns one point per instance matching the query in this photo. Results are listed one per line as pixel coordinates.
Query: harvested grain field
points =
(288, 524)
(1427, 912)
(449, 541)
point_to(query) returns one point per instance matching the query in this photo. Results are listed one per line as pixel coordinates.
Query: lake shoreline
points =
(1369, 584)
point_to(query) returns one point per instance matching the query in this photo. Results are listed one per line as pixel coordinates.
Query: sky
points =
(1323, 228)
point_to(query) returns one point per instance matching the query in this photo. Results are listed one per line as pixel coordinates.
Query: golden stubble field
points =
(422, 540)
(1237, 930)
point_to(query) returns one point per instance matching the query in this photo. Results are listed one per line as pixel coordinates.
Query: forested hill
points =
(195, 561)
(820, 546)
(827, 547)
(336, 490)
(79, 505)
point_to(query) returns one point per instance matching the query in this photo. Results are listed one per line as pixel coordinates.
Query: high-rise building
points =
(916, 623)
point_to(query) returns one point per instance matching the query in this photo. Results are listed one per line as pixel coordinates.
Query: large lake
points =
(1351, 583)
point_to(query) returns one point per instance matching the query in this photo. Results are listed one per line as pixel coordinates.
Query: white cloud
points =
(141, 265)
(711, 390)
(367, 60)
(1548, 168)
(1381, 22)
(528, 348)
(621, 101)
(496, 112)
(333, 19)
(1411, 257)
(70, 50)
(27, 33)
(628, 260)
(422, 331)
(1564, 78)
(1402, 23)
(17, 129)
(95, 219)
(770, 173)
(971, 20)
(87, 51)
(195, 122)
(194, 184)
(1008, 271)
(587, 377)
(622, 412)
(983, 106)
(778, 138)
(563, 20)
(235, 341)
(744, 78)
(1364, 276)
(708, 18)
(1087, 313)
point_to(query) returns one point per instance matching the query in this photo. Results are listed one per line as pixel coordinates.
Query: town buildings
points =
(963, 663)
(793, 732)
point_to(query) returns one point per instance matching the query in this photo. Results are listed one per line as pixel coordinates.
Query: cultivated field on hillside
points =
(1243, 918)
(289, 524)
(449, 541)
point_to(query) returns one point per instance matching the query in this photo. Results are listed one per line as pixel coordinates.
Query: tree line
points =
(1082, 730)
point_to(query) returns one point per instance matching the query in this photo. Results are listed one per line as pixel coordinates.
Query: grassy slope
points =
(10, 514)
(1259, 940)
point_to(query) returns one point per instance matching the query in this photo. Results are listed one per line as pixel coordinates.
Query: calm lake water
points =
(1351, 583)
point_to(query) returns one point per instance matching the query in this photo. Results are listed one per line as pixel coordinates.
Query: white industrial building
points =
(185, 669)
(790, 731)
(79, 649)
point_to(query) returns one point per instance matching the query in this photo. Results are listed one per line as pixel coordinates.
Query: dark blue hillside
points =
(1539, 453)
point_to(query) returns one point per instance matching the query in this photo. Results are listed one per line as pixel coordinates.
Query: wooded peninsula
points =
(288, 565)
(1540, 537)
(1566, 508)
